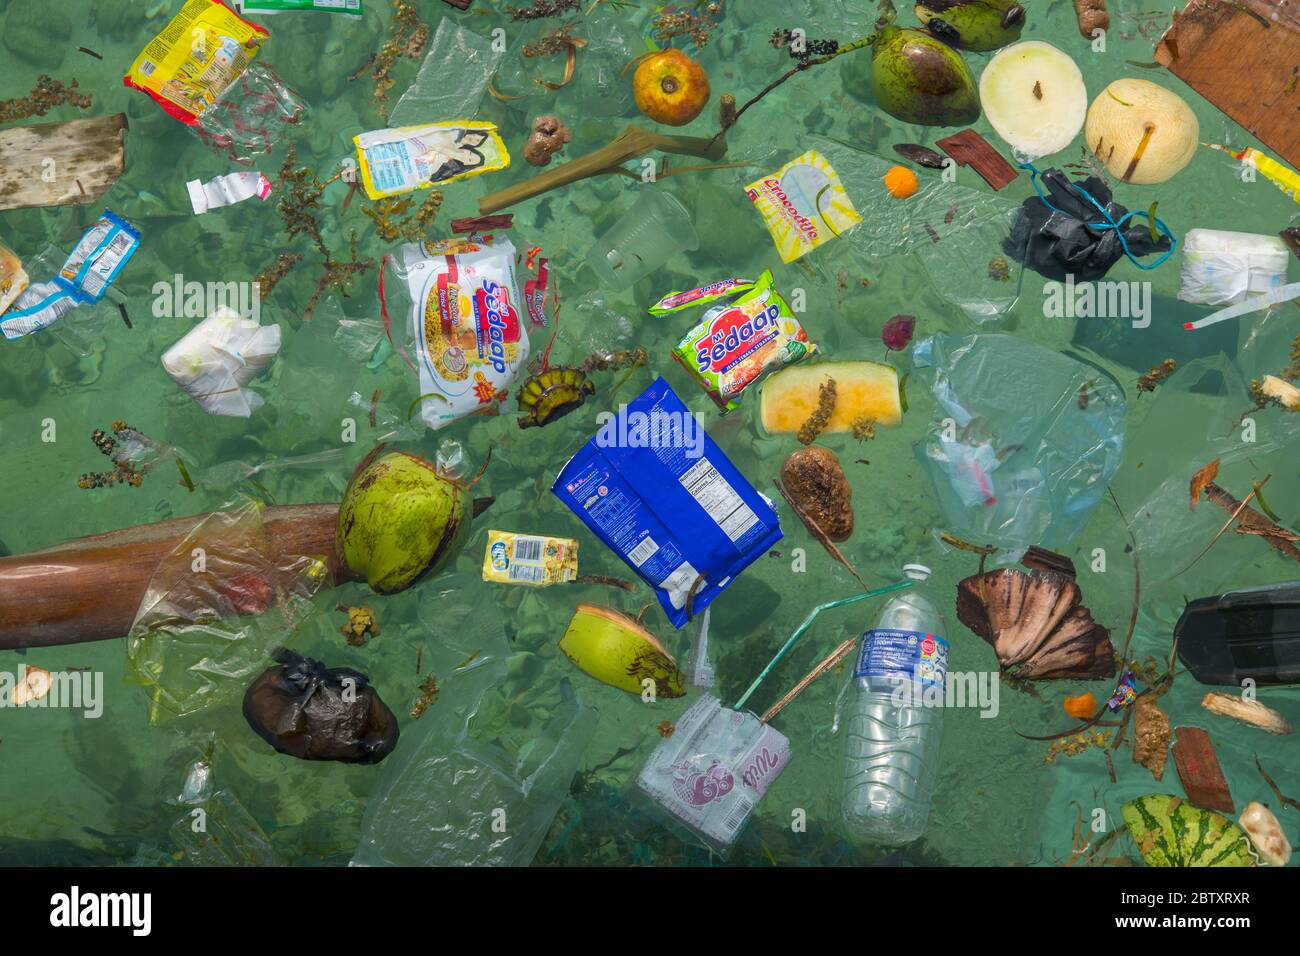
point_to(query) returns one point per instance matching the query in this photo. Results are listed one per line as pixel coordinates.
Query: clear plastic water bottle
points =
(892, 727)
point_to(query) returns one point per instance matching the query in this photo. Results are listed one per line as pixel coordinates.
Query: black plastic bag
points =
(1063, 241)
(313, 712)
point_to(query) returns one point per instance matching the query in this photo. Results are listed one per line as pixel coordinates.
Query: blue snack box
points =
(654, 487)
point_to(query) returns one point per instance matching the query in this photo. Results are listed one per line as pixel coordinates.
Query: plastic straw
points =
(1281, 294)
(807, 623)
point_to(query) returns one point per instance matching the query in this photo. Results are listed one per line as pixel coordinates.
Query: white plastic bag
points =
(217, 359)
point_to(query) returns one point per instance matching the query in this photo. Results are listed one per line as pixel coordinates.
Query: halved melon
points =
(862, 390)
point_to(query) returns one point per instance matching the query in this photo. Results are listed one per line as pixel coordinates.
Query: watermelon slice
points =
(1169, 831)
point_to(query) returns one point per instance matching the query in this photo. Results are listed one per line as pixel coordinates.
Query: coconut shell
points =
(814, 479)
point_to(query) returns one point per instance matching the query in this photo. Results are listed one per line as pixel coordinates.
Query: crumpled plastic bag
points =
(250, 116)
(216, 828)
(467, 788)
(206, 625)
(1015, 457)
(214, 362)
(1062, 241)
(307, 710)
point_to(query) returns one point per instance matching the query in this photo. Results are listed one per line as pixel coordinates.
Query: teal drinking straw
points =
(807, 623)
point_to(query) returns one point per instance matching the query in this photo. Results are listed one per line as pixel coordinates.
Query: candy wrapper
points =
(99, 255)
(463, 320)
(529, 559)
(395, 161)
(734, 345)
(803, 205)
(13, 277)
(187, 66)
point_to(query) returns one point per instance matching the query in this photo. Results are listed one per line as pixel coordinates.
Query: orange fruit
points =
(901, 182)
(670, 87)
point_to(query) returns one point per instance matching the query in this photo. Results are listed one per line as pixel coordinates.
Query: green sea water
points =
(105, 790)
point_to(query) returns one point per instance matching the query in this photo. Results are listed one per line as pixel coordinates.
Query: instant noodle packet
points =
(350, 8)
(803, 205)
(736, 344)
(465, 312)
(203, 50)
(395, 161)
(530, 559)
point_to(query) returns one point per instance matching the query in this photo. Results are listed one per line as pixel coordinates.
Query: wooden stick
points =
(629, 144)
(91, 588)
(827, 663)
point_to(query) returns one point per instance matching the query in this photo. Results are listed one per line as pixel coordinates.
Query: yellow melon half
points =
(862, 390)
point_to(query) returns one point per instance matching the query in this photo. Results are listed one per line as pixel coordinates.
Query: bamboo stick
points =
(629, 144)
(89, 589)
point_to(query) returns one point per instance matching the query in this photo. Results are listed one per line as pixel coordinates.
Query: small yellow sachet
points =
(530, 559)
(803, 205)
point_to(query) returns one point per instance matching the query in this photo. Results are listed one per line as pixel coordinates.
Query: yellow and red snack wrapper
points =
(187, 66)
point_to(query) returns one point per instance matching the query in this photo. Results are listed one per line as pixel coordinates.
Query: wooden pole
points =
(89, 589)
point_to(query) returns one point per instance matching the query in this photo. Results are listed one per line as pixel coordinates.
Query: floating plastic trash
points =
(1023, 464)
(713, 770)
(654, 487)
(218, 358)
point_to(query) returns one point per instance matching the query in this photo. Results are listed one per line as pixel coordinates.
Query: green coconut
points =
(973, 24)
(913, 76)
(1169, 831)
(401, 520)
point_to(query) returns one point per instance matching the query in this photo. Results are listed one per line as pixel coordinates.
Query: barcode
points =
(739, 814)
(525, 572)
(643, 551)
(716, 496)
(528, 549)
(147, 67)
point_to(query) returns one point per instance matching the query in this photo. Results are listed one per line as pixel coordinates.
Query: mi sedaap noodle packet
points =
(350, 8)
(201, 51)
(395, 161)
(463, 322)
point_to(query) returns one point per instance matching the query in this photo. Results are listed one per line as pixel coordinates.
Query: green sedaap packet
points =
(350, 8)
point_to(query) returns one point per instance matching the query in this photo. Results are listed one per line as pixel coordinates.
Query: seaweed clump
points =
(821, 417)
(1158, 373)
(407, 37)
(120, 446)
(298, 205)
(45, 96)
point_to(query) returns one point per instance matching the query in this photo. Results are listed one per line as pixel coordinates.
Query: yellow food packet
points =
(803, 205)
(198, 54)
(529, 559)
(395, 161)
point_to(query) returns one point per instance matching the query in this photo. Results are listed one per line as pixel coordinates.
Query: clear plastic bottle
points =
(892, 726)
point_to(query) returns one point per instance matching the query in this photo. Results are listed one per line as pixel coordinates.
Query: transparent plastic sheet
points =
(1197, 415)
(452, 79)
(216, 829)
(214, 611)
(475, 782)
(240, 475)
(250, 117)
(897, 225)
(1014, 457)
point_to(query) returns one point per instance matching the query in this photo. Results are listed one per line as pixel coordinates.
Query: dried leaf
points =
(1203, 478)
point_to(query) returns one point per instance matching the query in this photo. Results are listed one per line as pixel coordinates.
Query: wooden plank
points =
(1199, 771)
(969, 148)
(1244, 57)
(88, 155)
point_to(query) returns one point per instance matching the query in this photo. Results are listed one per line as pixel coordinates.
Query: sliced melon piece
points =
(862, 390)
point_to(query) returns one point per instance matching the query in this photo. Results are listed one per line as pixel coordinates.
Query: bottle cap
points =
(917, 572)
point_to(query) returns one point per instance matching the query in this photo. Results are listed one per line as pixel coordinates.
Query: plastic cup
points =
(655, 229)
